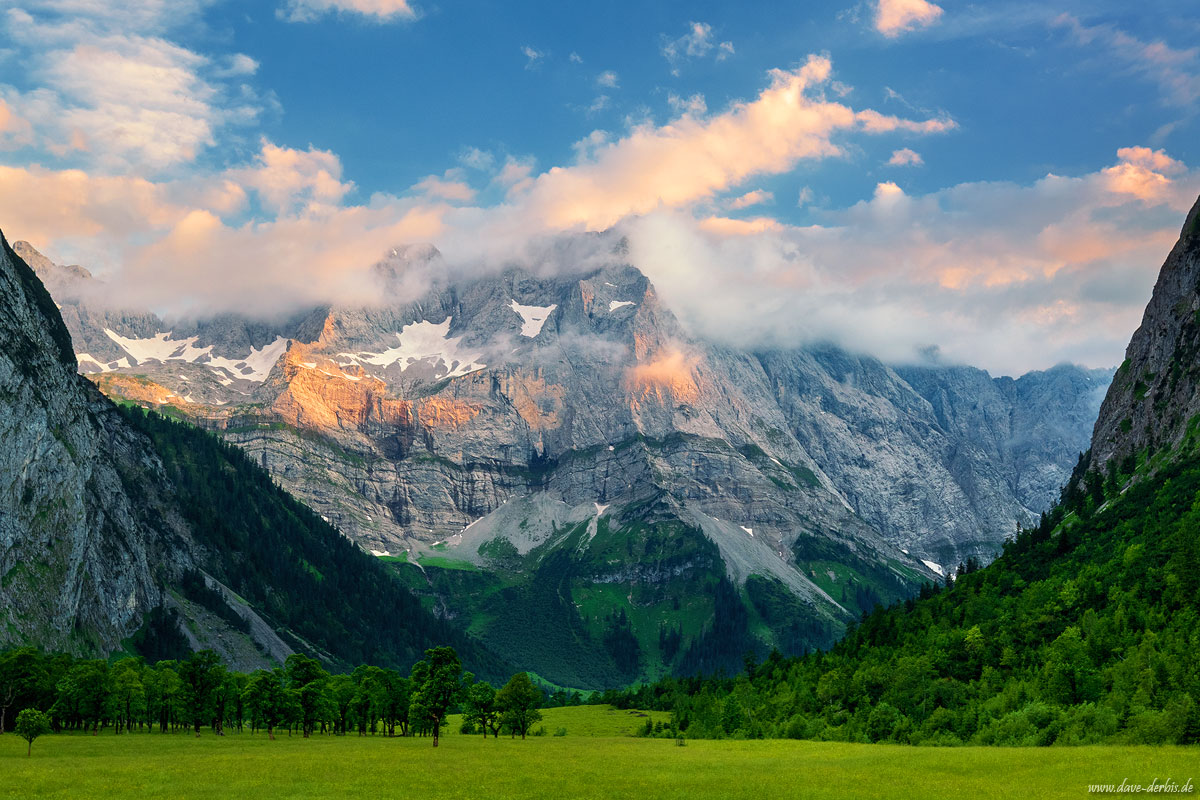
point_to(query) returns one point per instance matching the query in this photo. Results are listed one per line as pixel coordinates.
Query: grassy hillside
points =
(1085, 630)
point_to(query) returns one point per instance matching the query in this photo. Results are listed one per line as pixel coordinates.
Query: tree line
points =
(300, 697)
(1085, 630)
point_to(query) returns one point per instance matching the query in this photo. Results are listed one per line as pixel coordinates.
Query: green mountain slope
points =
(635, 593)
(1085, 630)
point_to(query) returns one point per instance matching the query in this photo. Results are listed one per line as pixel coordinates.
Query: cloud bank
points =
(1001, 275)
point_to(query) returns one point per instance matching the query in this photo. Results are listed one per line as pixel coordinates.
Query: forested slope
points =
(320, 591)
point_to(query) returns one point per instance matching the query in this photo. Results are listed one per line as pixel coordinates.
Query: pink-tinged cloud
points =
(1142, 173)
(287, 180)
(379, 10)
(998, 275)
(266, 268)
(516, 174)
(15, 131)
(442, 189)
(757, 197)
(727, 226)
(47, 206)
(693, 158)
(905, 158)
(894, 17)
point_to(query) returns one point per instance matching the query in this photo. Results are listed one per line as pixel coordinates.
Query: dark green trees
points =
(481, 709)
(438, 682)
(518, 702)
(201, 675)
(24, 682)
(307, 679)
(268, 699)
(174, 696)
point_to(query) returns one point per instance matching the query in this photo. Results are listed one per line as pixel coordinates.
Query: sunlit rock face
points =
(405, 422)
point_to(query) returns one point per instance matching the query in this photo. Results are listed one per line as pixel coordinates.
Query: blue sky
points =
(1000, 180)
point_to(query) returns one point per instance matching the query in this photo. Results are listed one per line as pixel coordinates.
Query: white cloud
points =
(1176, 72)
(905, 157)
(475, 158)
(118, 98)
(696, 43)
(894, 17)
(608, 80)
(378, 10)
(694, 105)
(237, 65)
(1003, 276)
(533, 58)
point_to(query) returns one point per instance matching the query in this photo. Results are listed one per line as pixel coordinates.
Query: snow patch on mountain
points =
(613, 305)
(256, 366)
(159, 347)
(532, 317)
(423, 343)
(934, 566)
(89, 363)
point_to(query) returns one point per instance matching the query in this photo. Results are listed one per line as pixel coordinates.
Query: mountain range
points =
(124, 531)
(554, 463)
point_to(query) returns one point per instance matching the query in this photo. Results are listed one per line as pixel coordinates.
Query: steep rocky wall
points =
(1155, 394)
(86, 537)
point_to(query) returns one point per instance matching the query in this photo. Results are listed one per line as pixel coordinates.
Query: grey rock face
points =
(404, 423)
(80, 559)
(944, 461)
(1155, 394)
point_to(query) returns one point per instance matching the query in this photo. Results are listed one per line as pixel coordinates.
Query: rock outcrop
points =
(1155, 396)
(88, 535)
(405, 422)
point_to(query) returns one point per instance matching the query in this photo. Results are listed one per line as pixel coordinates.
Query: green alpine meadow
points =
(563, 400)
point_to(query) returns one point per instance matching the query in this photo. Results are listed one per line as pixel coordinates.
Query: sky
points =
(993, 183)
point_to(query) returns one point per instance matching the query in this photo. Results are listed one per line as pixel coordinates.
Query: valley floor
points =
(577, 765)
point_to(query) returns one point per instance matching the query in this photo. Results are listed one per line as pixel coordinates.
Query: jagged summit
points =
(560, 427)
(1155, 395)
(439, 409)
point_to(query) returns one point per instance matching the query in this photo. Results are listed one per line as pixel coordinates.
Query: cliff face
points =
(404, 423)
(1155, 396)
(87, 534)
(945, 461)
(108, 514)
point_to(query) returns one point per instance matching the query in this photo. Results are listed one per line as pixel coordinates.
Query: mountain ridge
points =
(120, 530)
(569, 416)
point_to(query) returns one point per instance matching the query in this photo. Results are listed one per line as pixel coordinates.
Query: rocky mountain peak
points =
(79, 560)
(1155, 395)
(47, 270)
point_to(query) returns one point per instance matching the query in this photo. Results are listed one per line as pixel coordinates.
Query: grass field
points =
(572, 766)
